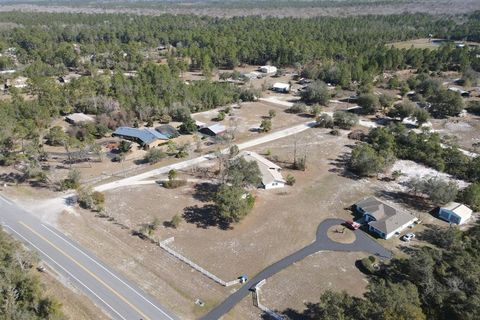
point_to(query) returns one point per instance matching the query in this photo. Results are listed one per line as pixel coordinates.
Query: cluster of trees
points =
(384, 144)
(232, 200)
(437, 282)
(22, 294)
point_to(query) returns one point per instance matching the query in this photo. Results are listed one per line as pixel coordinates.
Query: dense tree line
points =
(439, 282)
(350, 48)
(21, 293)
(426, 147)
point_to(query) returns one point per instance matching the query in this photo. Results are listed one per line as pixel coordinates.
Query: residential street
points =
(119, 298)
(363, 243)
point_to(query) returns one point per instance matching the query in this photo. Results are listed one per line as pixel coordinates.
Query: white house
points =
(281, 87)
(268, 69)
(455, 212)
(271, 175)
(383, 219)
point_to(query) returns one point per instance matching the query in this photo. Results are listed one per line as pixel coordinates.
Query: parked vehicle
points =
(352, 225)
(408, 237)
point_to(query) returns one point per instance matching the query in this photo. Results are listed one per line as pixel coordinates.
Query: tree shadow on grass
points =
(205, 217)
(205, 191)
(340, 167)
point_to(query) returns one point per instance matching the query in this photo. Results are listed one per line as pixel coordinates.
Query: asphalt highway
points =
(119, 298)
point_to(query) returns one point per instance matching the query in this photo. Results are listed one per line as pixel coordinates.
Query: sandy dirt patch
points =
(341, 234)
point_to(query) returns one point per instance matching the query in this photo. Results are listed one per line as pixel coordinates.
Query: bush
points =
(365, 161)
(173, 184)
(154, 156)
(471, 196)
(266, 125)
(335, 132)
(298, 107)
(188, 126)
(72, 181)
(344, 120)
(175, 222)
(369, 103)
(324, 121)
(474, 107)
(316, 92)
(290, 180)
(368, 264)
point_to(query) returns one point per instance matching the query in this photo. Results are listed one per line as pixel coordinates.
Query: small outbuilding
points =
(454, 212)
(79, 118)
(214, 129)
(281, 87)
(268, 69)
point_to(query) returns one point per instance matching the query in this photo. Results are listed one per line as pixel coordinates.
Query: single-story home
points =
(271, 175)
(200, 124)
(78, 118)
(146, 137)
(281, 87)
(213, 129)
(268, 69)
(383, 219)
(454, 212)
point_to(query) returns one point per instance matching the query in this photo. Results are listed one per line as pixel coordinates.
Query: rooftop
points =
(269, 170)
(145, 135)
(79, 117)
(460, 209)
(388, 218)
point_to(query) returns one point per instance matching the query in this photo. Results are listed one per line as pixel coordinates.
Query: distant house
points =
(463, 93)
(383, 219)
(79, 118)
(271, 175)
(268, 69)
(455, 212)
(146, 137)
(281, 87)
(213, 130)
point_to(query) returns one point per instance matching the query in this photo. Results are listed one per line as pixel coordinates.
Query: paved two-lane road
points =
(119, 298)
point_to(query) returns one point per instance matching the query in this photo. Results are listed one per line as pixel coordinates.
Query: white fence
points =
(163, 245)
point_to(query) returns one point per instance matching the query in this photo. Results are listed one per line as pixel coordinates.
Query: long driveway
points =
(118, 297)
(195, 161)
(363, 243)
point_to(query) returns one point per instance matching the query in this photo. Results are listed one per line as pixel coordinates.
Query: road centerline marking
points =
(66, 271)
(67, 241)
(86, 270)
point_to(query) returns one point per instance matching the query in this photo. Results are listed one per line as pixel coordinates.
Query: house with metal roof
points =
(454, 212)
(271, 173)
(383, 219)
(168, 131)
(215, 129)
(146, 137)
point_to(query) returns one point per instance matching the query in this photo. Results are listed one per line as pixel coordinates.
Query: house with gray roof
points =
(146, 137)
(382, 218)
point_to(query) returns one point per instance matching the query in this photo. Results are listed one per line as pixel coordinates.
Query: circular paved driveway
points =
(363, 242)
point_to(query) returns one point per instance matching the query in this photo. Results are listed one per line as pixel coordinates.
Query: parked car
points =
(408, 237)
(352, 225)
